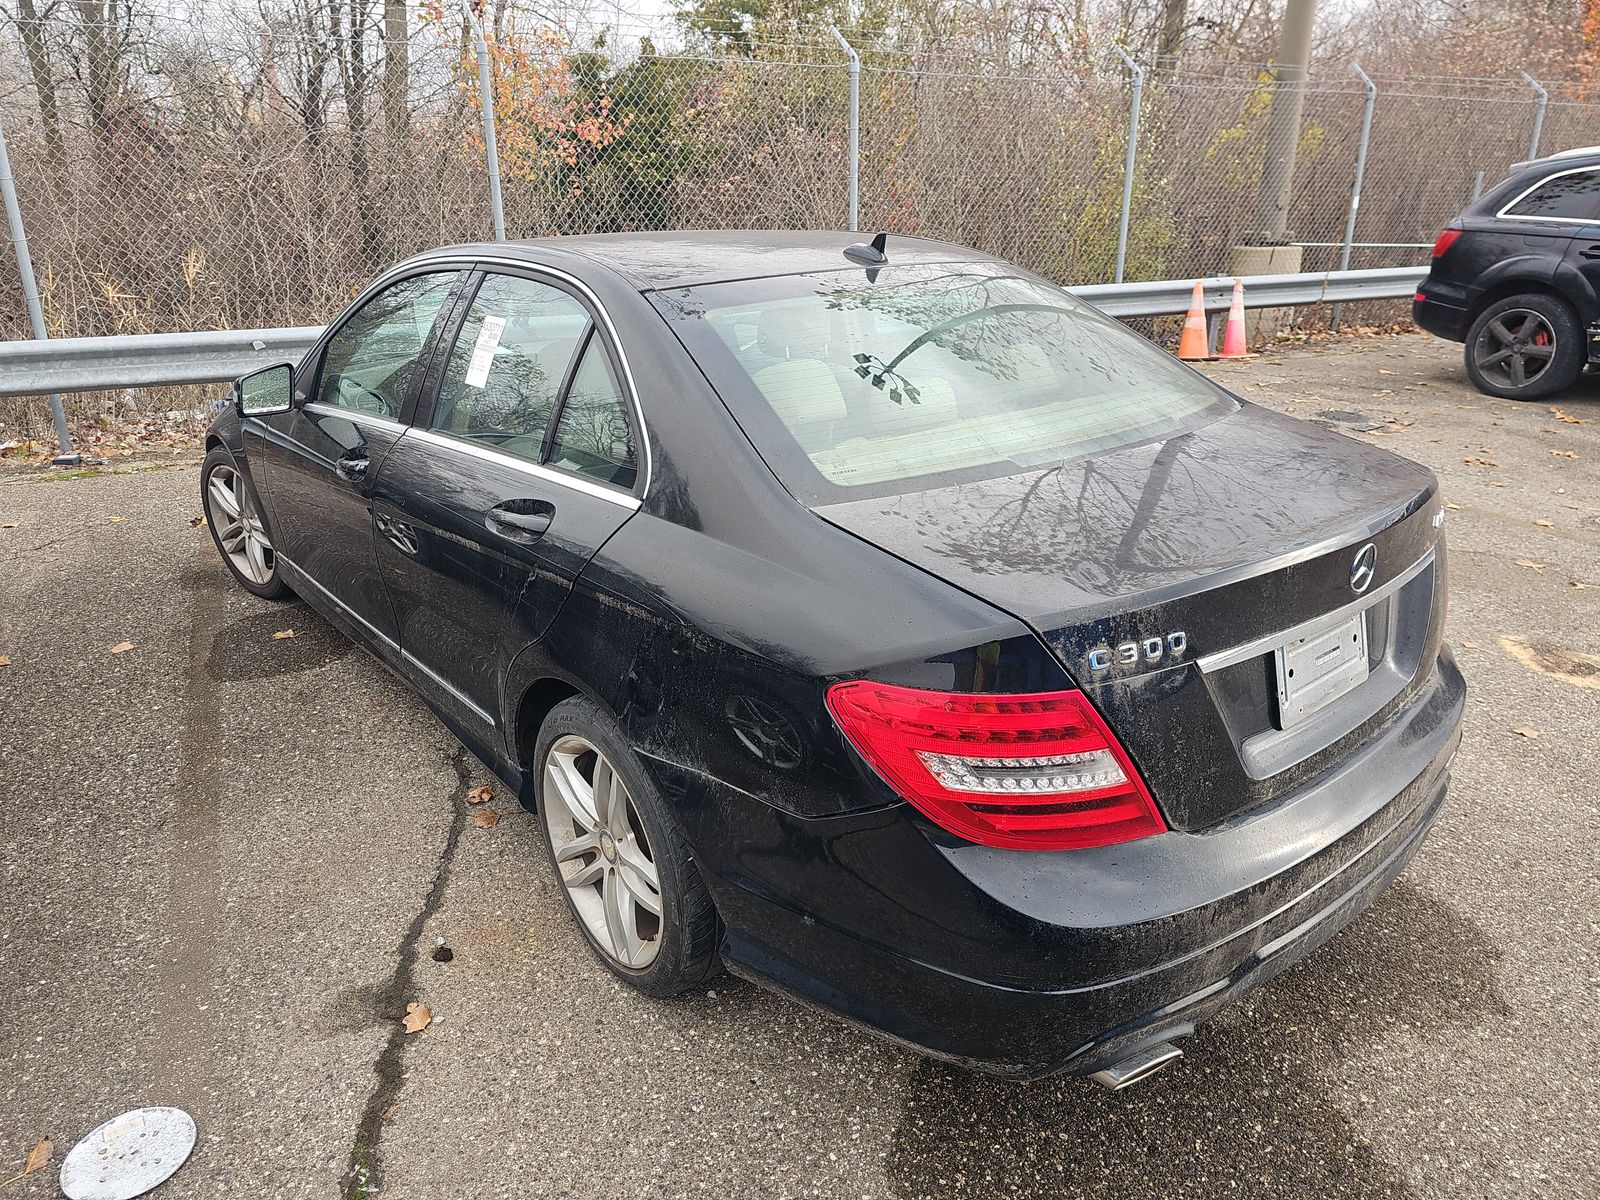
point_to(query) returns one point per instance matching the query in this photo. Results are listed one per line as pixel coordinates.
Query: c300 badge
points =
(1150, 651)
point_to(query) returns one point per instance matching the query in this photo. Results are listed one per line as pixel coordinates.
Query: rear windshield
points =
(852, 387)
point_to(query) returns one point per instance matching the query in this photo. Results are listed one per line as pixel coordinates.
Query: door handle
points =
(1589, 252)
(352, 467)
(521, 520)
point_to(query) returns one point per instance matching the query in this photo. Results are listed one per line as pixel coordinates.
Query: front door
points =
(319, 459)
(488, 510)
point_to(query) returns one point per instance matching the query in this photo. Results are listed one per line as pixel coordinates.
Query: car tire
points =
(604, 850)
(234, 516)
(1532, 337)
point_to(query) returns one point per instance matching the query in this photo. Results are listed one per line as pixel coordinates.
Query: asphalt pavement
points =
(231, 861)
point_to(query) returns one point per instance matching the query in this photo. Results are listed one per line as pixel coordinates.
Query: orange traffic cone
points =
(1195, 344)
(1233, 343)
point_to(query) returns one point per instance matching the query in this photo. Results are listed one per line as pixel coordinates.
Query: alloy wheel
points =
(1515, 348)
(602, 852)
(232, 513)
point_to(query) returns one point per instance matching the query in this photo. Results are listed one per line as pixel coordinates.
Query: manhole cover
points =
(128, 1155)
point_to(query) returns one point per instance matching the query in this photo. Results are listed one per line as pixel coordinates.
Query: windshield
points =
(851, 387)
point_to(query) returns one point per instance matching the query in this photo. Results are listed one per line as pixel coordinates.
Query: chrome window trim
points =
(1272, 641)
(377, 634)
(646, 461)
(354, 415)
(566, 479)
(1506, 214)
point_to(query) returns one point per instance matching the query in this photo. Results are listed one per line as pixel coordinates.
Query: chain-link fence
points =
(189, 178)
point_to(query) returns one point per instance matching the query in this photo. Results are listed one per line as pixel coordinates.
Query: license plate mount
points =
(1316, 670)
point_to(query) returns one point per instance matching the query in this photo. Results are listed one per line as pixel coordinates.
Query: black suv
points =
(1517, 278)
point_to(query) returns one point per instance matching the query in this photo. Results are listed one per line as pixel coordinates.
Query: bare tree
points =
(31, 25)
(396, 68)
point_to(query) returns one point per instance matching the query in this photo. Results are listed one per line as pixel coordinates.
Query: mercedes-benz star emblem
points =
(1363, 568)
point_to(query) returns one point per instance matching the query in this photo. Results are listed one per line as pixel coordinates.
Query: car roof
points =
(1578, 156)
(682, 258)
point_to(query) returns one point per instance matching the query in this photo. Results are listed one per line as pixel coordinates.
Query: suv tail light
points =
(1038, 771)
(1445, 240)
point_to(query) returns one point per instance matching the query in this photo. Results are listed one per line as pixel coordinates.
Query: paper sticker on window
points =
(483, 351)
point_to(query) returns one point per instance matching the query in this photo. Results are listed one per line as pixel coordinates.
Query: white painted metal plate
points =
(1315, 671)
(128, 1155)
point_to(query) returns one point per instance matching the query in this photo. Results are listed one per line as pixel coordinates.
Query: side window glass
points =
(371, 360)
(592, 437)
(1574, 197)
(509, 363)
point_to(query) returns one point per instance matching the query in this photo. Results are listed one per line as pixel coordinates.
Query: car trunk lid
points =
(1205, 552)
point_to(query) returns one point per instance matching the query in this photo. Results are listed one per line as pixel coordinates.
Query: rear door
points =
(316, 462)
(1561, 213)
(519, 468)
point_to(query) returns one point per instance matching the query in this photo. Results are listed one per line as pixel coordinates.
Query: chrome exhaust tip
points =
(1137, 1066)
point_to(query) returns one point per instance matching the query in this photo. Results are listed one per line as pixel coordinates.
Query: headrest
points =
(802, 391)
(790, 331)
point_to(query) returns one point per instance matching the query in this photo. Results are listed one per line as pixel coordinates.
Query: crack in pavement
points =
(361, 1177)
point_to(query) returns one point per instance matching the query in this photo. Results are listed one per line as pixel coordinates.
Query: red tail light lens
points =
(1039, 771)
(1444, 241)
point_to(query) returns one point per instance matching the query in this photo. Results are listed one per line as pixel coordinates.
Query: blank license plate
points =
(1315, 671)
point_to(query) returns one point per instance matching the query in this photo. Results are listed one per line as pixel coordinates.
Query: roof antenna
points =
(870, 255)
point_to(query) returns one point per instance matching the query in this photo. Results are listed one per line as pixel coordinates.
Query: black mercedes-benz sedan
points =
(876, 620)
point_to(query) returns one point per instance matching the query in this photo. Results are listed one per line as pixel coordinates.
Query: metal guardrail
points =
(36, 368)
(145, 359)
(1170, 296)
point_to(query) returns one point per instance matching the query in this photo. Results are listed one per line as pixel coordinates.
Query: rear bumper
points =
(1441, 315)
(1026, 963)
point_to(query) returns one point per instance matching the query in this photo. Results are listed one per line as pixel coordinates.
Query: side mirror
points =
(264, 392)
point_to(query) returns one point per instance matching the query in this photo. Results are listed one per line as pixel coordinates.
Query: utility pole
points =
(1270, 251)
(1283, 124)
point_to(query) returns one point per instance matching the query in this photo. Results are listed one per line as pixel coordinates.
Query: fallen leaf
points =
(284, 633)
(122, 647)
(196, 522)
(1524, 731)
(1569, 419)
(480, 795)
(1471, 645)
(1530, 564)
(1451, 504)
(416, 1018)
(41, 1153)
(1545, 523)
(8, 524)
(1580, 584)
(388, 1113)
(114, 520)
(5, 660)
(485, 818)
(1480, 462)
(1497, 483)
(1565, 453)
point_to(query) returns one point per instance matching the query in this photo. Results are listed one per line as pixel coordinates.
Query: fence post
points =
(1355, 183)
(491, 149)
(1538, 113)
(1128, 160)
(855, 127)
(30, 289)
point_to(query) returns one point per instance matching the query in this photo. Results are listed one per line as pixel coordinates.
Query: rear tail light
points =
(1444, 241)
(1039, 771)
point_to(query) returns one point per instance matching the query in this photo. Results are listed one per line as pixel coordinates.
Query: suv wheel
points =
(623, 867)
(1525, 347)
